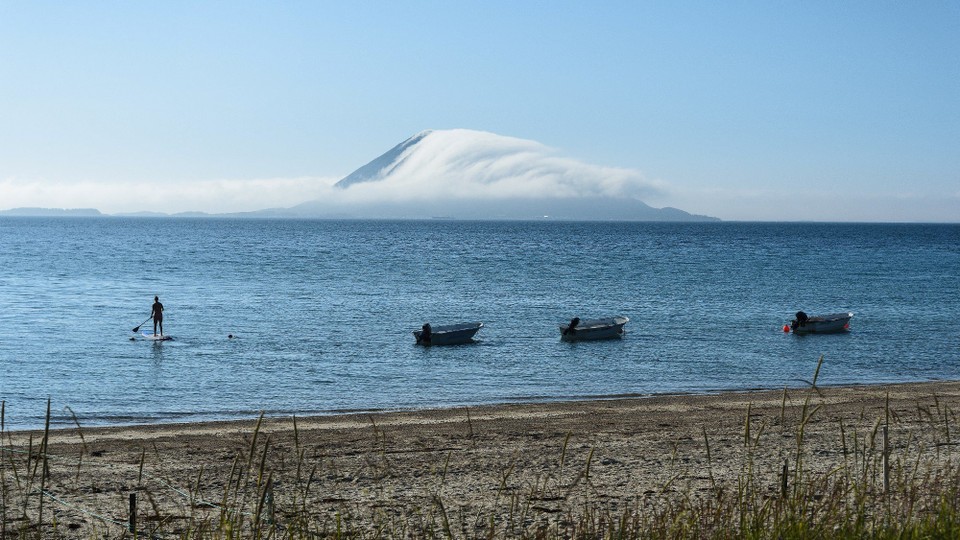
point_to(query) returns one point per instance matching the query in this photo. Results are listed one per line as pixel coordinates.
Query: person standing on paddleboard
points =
(157, 315)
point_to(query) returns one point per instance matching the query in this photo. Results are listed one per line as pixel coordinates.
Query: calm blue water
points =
(323, 312)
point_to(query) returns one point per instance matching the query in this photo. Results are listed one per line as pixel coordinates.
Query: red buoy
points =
(786, 328)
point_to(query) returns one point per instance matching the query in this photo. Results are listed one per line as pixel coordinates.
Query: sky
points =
(782, 111)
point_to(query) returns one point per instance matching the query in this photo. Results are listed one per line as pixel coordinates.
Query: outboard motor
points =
(801, 319)
(426, 334)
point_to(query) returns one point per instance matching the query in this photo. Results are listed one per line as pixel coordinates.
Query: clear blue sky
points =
(743, 110)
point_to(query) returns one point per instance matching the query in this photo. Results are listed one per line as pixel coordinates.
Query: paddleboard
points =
(151, 337)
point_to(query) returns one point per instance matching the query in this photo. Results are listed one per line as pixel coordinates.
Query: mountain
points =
(381, 167)
(469, 174)
(465, 174)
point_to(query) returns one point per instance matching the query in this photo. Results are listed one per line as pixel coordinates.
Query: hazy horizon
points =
(746, 112)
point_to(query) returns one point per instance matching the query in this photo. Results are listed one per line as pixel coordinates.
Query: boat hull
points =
(824, 324)
(608, 328)
(452, 334)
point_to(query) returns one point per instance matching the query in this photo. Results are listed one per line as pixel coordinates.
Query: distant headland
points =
(52, 212)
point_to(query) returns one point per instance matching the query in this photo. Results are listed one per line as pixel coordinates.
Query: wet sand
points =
(403, 466)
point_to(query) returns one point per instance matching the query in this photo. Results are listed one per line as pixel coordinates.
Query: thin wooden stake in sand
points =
(133, 513)
(783, 479)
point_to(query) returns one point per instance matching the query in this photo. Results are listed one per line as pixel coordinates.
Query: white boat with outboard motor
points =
(447, 334)
(605, 328)
(819, 324)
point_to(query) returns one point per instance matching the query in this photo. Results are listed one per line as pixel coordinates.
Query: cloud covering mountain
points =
(456, 173)
(474, 174)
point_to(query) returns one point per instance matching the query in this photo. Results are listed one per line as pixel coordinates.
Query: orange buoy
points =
(786, 328)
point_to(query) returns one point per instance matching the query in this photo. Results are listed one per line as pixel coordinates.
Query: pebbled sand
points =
(397, 466)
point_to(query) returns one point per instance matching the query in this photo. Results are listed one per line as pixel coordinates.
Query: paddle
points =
(137, 327)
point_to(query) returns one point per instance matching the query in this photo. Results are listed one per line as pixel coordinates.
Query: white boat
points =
(606, 328)
(821, 324)
(448, 334)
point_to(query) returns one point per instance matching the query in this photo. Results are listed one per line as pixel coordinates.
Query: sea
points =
(315, 317)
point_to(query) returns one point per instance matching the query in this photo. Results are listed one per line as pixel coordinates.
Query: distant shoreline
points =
(284, 213)
(281, 214)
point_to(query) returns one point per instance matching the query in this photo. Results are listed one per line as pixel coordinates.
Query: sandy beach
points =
(468, 464)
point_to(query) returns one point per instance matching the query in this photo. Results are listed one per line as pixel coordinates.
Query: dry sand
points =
(401, 466)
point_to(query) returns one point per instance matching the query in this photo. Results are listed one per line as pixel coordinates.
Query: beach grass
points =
(881, 474)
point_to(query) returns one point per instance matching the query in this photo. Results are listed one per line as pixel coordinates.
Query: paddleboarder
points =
(157, 314)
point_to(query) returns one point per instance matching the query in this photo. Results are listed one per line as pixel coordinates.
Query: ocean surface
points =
(322, 312)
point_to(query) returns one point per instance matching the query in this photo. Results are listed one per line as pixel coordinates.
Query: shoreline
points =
(62, 425)
(353, 419)
(621, 453)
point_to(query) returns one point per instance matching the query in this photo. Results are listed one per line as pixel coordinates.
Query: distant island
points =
(468, 174)
(462, 174)
(626, 214)
(52, 212)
